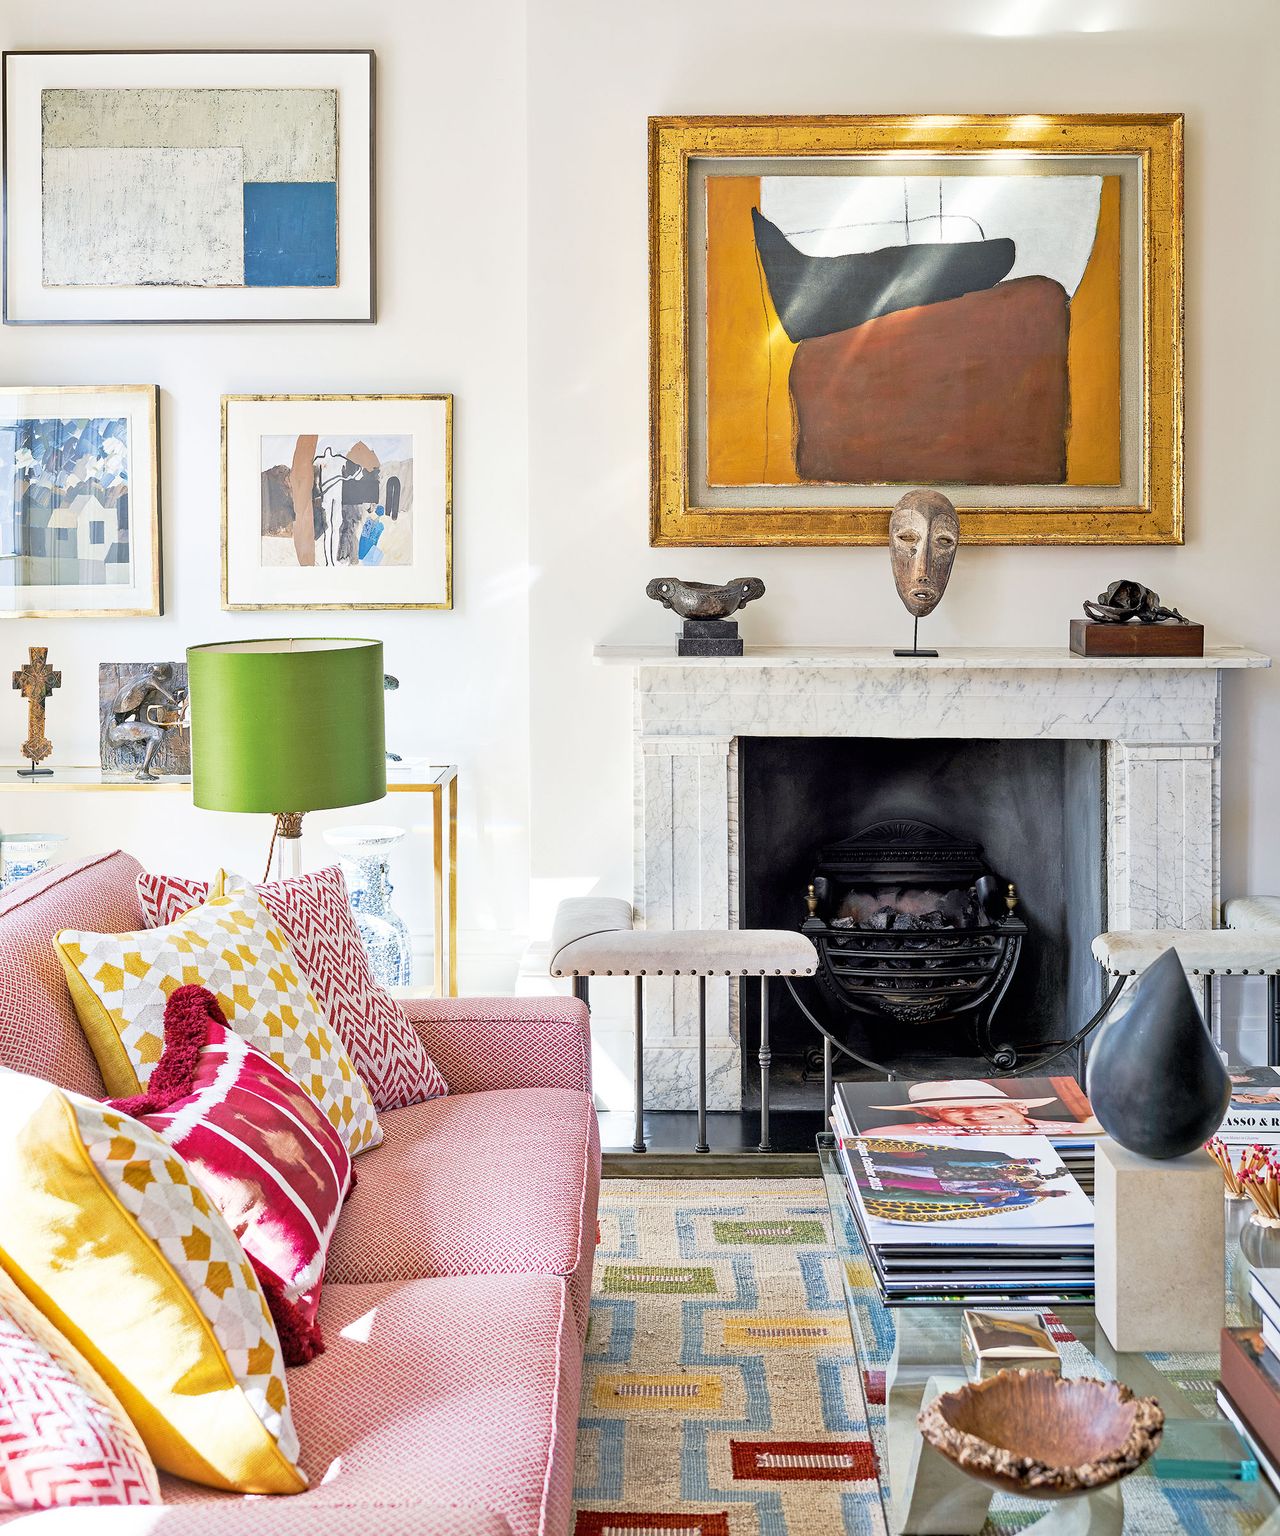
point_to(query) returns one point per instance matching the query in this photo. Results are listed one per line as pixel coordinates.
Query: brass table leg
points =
(437, 863)
(453, 886)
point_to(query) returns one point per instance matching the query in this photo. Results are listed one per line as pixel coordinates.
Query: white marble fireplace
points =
(1158, 720)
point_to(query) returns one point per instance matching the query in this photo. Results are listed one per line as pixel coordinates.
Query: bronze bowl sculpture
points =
(700, 600)
(1043, 1436)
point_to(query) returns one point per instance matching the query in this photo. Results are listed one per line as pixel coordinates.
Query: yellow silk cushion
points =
(106, 1232)
(231, 944)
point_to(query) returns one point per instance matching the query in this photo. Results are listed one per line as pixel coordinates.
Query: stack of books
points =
(960, 1193)
(1249, 1375)
(1253, 1116)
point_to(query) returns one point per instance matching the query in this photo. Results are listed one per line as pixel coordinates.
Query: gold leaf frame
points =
(298, 607)
(1155, 140)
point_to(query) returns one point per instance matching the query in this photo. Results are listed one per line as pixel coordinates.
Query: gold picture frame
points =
(251, 583)
(1142, 154)
(66, 503)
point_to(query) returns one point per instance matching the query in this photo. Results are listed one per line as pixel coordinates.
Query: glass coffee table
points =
(1202, 1479)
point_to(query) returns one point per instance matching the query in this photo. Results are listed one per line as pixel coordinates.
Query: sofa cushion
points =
(263, 1151)
(64, 1438)
(476, 1183)
(120, 982)
(459, 1391)
(106, 1231)
(314, 913)
(39, 1031)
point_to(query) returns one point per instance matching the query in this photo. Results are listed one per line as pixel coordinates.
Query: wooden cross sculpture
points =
(35, 682)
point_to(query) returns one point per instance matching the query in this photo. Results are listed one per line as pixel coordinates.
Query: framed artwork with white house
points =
(188, 185)
(337, 501)
(80, 502)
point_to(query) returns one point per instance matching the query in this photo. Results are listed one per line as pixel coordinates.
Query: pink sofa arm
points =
(506, 1042)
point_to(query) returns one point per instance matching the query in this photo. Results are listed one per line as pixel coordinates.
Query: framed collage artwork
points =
(188, 186)
(80, 502)
(844, 306)
(337, 501)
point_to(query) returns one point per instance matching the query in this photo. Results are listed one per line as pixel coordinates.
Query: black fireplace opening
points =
(953, 889)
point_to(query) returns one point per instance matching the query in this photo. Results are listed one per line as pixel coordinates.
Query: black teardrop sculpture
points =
(1156, 1081)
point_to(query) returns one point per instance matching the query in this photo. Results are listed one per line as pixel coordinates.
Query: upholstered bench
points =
(597, 936)
(1205, 952)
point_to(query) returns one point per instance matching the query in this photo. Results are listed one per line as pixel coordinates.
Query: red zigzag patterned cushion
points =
(315, 915)
(263, 1151)
(64, 1439)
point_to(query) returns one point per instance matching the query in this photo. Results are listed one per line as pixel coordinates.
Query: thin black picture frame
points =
(17, 53)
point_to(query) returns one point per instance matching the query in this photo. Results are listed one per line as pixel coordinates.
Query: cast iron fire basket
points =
(912, 925)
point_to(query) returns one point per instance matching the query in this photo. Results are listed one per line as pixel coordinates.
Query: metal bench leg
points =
(828, 1079)
(766, 1057)
(637, 1141)
(1273, 1021)
(703, 1145)
(1206, 984)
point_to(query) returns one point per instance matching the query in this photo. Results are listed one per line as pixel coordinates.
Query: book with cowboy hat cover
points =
(1055, 1107)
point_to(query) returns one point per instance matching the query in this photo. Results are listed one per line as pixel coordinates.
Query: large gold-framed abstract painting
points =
(844, 306)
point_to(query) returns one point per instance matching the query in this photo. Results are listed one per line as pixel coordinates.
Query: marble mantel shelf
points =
(970, 658)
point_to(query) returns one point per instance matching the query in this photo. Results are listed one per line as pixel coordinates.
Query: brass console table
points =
(439, 780)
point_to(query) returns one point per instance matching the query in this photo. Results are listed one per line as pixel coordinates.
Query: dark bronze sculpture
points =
(924, 533)
(1126, 600)
(700, 600)
(1156, 1082)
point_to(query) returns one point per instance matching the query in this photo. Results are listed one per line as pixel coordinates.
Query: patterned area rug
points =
(721, 1394)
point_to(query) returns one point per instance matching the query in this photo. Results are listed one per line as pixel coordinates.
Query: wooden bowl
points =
(1043, 1436)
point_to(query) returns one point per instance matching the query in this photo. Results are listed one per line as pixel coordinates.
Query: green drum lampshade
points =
(286, 726)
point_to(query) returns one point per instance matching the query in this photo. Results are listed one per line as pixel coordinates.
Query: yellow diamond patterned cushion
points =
(107, 1233)
(231, 944)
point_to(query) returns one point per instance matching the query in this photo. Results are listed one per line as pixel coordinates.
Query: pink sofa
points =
(456, 1296)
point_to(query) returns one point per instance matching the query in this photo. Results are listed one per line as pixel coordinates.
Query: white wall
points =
(595, 73)
(512, 263)
(451, 245)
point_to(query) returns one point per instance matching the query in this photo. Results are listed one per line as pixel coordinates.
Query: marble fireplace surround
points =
(1159, 719)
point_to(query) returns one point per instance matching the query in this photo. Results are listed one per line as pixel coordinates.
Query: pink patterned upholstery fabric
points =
(315, 916)
(263, 1151)
(64, 1438)
(506, 1042)
(39, 1031)
(438, 1391)
(478, 1183)
(267, 1517)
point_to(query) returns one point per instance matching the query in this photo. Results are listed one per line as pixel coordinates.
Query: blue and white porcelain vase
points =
(364, 854)
(27, 853)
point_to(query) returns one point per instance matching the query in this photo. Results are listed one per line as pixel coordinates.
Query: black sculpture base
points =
(915, 649)
(34, 773)
(709, 637)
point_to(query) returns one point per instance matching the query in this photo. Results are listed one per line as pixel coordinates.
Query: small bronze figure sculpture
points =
(142, 714)
(700, 600)
(707, 630)
(35, 682)
(924, 533)
(1126, 600)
